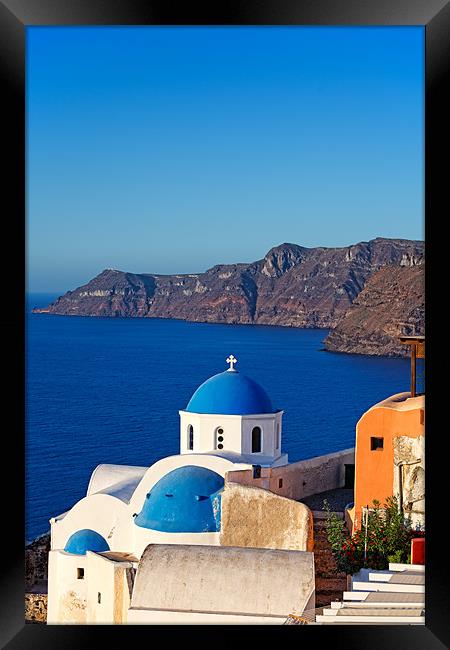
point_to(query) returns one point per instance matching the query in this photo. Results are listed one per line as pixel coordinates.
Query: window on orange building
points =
(376, 444)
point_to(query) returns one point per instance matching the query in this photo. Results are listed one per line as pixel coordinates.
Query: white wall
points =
(114, 520)
(107, 578)
(103, 513)
(205, 427)
(268, 424)
(67, 594)
(237, 433)
(75, 600)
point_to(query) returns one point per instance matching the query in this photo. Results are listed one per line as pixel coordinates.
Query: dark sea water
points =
(108, 390)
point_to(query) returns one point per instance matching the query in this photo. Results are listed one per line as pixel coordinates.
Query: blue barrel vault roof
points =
(185, 500)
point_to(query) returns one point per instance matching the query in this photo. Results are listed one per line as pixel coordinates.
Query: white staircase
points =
(395, 596)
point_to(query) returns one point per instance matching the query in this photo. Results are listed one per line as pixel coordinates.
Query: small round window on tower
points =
(219, 437)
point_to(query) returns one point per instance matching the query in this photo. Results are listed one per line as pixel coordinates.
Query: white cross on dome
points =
(231, 360)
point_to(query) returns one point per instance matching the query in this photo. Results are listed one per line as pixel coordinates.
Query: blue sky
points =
(171, 149)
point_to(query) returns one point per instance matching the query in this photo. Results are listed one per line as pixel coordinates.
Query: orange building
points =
(389, 453)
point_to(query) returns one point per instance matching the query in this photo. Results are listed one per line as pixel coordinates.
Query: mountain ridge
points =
(291, 285)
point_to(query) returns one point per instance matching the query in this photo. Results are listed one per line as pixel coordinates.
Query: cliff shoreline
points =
(292, 286)
(36, 578)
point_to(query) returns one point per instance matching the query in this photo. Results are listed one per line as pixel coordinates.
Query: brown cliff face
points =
(391, 304)
(112, 293)
(291, 286)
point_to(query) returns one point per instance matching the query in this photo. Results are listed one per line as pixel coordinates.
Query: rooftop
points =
(337, 498)
(401, 402)
(119, 556)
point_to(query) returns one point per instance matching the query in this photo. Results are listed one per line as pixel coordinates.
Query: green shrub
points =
(387, 538)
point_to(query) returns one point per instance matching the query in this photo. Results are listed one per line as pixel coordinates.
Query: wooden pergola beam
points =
(417, 345)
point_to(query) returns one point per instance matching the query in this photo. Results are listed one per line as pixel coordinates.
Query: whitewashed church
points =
(229, 424)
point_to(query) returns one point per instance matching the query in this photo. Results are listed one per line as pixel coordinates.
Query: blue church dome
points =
(186, 500)
(86, 540)
(230, 393)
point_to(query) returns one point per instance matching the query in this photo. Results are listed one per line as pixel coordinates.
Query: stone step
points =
(330, 583)
(396, 566)
(368, 610)
(400, 578)
(375, 618)
(382, 597)
(386, 586)
(361, 604)
(370, 621)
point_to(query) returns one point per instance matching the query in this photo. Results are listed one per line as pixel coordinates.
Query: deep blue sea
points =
(108, 390)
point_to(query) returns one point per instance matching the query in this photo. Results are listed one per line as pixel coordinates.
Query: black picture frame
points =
(15, 16)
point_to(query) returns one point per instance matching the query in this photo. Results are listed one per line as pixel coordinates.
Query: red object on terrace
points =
(418, 550)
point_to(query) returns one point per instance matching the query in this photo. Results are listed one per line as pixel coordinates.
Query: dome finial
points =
(231, 360)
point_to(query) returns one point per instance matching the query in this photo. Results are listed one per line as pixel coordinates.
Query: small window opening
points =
(349, 476)
(280, 482)
(256, 440)
(376, 443)
(80, 574)
(99, 598)
(219, 437)
(190, 437)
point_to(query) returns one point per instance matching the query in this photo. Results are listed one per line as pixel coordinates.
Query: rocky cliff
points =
(36, 577)
(291, 286)
(391, 304)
